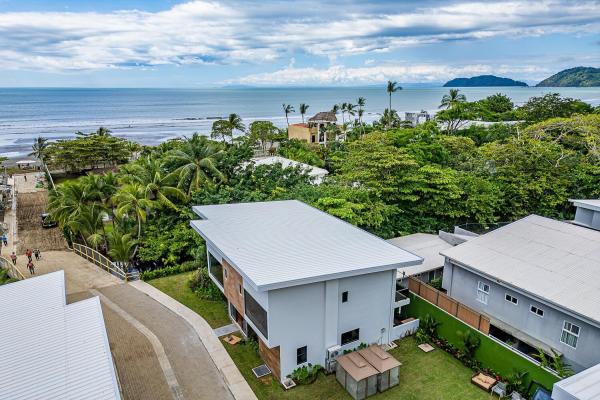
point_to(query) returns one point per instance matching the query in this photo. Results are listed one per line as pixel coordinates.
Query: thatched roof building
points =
(323, 116)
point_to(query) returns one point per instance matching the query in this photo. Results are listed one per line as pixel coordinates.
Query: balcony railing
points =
(401, 295)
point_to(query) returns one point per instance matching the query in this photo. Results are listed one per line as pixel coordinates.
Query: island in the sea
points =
(483, 80)
(573, 77)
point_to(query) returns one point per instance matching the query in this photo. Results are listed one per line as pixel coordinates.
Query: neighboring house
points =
(587, 213)
(416, 118)
(316, 174)
(50, 349)
(427, 246)
(306, 284)
(315, 131)
(538, 281)
(582, 386)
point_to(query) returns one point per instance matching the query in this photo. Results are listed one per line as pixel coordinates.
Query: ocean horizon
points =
(151, 116)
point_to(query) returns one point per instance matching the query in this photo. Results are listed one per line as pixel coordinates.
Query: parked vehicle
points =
(47, 221)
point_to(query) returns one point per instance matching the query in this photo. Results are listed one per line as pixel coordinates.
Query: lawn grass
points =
(423, 376)
(214, 312)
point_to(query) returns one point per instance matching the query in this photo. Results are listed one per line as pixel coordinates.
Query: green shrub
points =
(4, 278)
(436, 282)
(162, 272)
(470, 342)
(306, 374)
(201, 284)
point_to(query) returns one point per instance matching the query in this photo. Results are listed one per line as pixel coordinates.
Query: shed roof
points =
(356, 366)
(326, 116)
(555, 261)
(379, 358)
(424, 245)
(582, 386)
(286, 243)
(51, 350)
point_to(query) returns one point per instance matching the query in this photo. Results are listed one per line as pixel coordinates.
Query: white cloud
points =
(242, 32)
(376, 74)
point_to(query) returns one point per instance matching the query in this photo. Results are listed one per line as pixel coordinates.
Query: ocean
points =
(151, 116)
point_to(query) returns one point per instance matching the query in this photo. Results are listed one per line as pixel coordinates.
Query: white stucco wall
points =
(313, 315)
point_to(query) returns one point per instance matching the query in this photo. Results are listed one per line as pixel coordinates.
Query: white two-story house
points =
(306, 284)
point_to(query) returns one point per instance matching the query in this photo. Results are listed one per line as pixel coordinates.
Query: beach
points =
(151, 116)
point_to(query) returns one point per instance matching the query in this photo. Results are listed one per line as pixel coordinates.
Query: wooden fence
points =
(100, 260)
(451, 306)
(13, 272)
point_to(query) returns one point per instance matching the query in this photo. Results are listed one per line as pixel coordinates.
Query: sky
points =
(195, 44)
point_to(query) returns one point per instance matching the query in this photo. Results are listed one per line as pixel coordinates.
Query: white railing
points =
(13, 272)
(402, 330)
(100, 260)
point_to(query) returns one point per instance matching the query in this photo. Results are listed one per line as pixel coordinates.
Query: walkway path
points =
(235, 381)
(157, 353)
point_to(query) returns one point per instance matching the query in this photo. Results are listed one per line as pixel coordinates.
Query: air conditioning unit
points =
(332, 353)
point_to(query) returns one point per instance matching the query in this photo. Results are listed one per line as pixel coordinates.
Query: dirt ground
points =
(30, 207)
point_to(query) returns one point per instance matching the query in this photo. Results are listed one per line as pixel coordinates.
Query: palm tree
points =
(452, 99)
(133, 199)
(391, 88)
(344, 108)
(361, 102)
(40, 151)
(235, 123)
(121, 248)
(287, 109)
(196, 163)
(303, 110)
(149, 173)
(335, 109)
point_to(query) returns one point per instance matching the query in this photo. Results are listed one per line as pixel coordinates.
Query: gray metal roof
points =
(424, 245)
(285, 243)
(51, 350)
(556, 261)
(582, 386)
(589, 204)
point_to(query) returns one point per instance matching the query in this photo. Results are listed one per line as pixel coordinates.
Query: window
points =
(344, 297)
(256, 314)
(240, 288)
(224, 273)
(483, 292)
(570, 334)
(350, 336)
(511, 299)
(301, 355)
(537, 311)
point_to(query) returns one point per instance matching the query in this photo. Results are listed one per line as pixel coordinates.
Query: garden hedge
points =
(490, 353)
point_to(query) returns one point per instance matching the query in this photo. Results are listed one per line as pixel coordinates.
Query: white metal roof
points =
(50, 350)
(553, 260)
(425, 245)
(285, 243)
(589, 204)
(582, 386)
(286, 163)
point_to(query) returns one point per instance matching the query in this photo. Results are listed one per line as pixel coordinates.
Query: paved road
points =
(157, 354)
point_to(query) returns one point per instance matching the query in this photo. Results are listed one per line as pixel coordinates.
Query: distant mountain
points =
(483, 80)
(575, 77)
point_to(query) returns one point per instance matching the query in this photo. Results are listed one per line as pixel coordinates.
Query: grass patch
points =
(423, 376)
(214, 312)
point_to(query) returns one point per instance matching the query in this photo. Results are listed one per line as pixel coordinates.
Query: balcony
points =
(401, 298)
